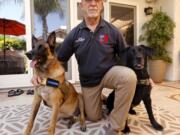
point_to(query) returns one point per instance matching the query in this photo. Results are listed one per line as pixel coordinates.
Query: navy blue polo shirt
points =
(95, 51)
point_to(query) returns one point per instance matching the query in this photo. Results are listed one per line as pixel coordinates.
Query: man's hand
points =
(36, 80)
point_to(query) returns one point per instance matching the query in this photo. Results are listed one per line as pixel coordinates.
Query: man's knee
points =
(130, 77)
(127, 81)
(126, 76)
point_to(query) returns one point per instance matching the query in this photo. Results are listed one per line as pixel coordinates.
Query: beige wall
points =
(172, 8)
(176, 49)
(177, 39)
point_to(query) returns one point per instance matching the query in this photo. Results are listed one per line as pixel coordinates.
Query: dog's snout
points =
(138, 59)
(29, 55)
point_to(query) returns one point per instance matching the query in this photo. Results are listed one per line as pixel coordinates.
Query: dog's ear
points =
(34, 41)
(148, 50)
(124, 56)
(52, 39)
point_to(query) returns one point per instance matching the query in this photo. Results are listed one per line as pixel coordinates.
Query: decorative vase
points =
(157, 70)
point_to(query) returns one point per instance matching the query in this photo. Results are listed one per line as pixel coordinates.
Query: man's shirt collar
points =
(101, 24)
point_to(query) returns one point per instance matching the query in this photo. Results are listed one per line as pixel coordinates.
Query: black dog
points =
(136, 59)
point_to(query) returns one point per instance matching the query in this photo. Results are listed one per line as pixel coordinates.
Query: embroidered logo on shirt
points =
(104, 39)
(80, 39)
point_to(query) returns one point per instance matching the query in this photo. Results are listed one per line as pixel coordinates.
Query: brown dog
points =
(64, 100)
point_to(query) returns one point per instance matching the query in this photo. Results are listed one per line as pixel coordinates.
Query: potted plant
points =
(157, 32)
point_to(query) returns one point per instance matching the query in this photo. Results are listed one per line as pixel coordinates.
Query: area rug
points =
(13, 120)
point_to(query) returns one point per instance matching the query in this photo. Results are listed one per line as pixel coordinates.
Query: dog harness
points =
(50, 82)
(143, 82)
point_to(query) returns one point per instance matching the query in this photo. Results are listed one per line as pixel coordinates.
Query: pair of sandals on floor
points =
(19, 92)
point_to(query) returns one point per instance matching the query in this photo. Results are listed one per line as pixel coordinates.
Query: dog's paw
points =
(158, 127)
(83, 128)
(26, 133)
(27, 130)
(126, 130)
(70, 123)
(133, 112)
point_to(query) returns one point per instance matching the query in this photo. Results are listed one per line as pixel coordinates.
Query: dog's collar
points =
(143, 82)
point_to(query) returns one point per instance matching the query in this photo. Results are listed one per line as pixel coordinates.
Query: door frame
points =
(134, 16)
(124, 3)
(21, 80)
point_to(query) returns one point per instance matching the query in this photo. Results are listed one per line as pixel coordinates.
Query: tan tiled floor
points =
(172, 84)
